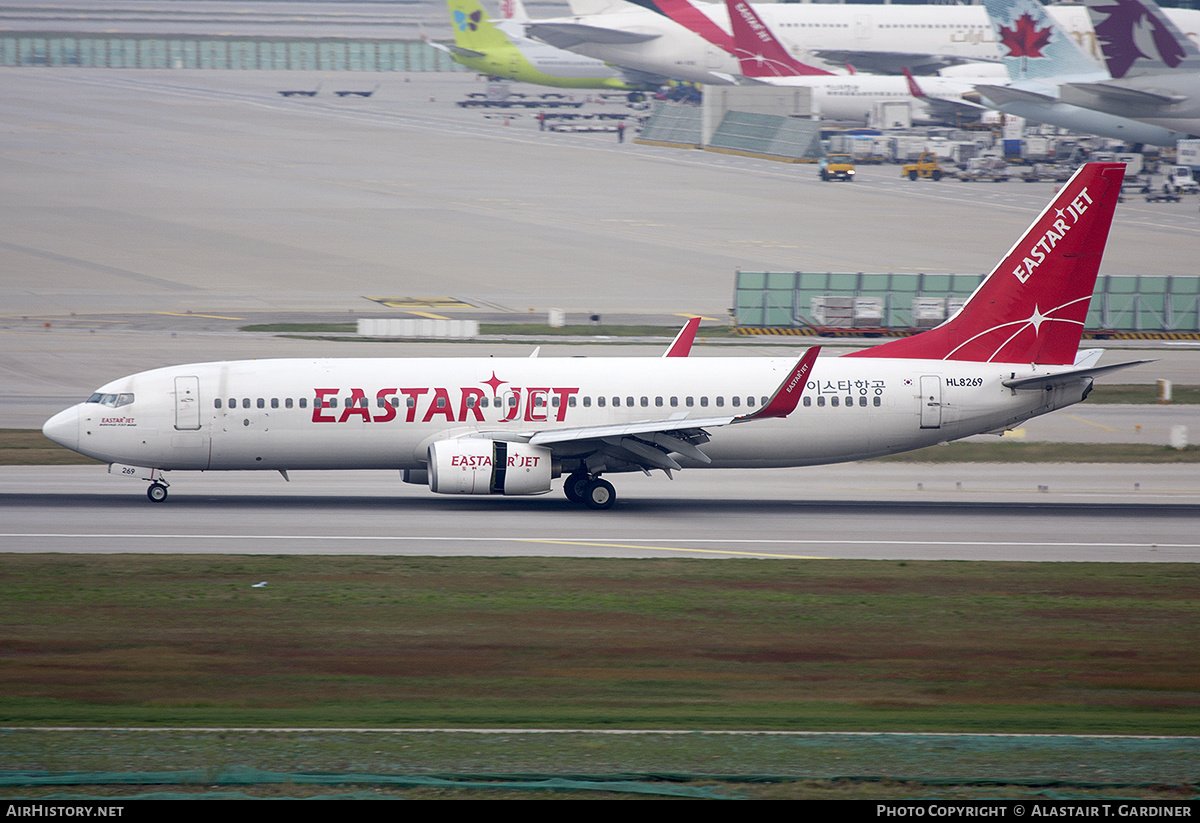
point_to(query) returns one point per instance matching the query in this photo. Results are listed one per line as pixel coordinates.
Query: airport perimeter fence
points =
(791, 302)
(133, 51)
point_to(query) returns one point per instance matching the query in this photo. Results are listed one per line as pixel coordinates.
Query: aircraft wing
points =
(887, 62)
(1050, 381)
(942, 106)
(566, 35)
(1126, 94)
(1001, 95)
(647, 444)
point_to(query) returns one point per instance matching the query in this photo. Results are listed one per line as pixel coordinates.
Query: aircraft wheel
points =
(573, 487)
(912, 175)
(599, 494)
(157, 492)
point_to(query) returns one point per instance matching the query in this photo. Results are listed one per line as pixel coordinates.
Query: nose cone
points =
(63, 428)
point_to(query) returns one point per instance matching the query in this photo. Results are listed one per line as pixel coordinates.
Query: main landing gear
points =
(590, 491)
(157, 492)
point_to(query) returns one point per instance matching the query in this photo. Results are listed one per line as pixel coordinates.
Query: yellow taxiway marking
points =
(701, 316)
(187, 314)
(441, 303)
(1090, 423)
(671, 549)
(428, 314)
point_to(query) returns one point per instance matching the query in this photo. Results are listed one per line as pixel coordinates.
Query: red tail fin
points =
(691, 18)
(913, 88)
(758, 52)
(1031, 308)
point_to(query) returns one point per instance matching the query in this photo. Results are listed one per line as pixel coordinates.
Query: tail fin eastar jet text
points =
(513, 425)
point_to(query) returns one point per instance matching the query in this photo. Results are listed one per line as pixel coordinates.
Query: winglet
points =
(783, 401)
(681, 346)
(913, 88)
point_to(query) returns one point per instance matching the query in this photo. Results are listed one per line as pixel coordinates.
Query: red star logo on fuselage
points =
(495, 383)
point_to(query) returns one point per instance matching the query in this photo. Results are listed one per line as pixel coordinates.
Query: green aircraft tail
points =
(472, 29)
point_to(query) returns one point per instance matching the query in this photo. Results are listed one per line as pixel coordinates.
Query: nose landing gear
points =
(157, 491)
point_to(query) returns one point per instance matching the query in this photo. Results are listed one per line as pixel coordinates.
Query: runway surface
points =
(1122, 513)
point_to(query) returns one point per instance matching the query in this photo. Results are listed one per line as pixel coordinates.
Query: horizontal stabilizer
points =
(459, 50)
(1049, 381)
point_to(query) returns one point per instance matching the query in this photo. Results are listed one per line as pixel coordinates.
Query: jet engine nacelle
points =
(477, 466)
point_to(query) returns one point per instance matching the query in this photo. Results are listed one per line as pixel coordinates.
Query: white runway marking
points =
(608, 543)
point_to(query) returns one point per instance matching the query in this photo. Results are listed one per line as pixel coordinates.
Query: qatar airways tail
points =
(514, 426)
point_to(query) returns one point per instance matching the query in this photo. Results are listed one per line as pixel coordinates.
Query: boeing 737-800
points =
(511, 426)
(762, 57)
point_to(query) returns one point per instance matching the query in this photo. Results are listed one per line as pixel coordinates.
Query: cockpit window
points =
(111, 400)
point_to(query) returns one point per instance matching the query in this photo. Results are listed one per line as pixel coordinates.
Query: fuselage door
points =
(931, 401)
(187, 403)
(862, 26)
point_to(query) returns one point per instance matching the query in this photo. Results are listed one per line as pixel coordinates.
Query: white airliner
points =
(640, 35)
(511, 426)
(854, 98)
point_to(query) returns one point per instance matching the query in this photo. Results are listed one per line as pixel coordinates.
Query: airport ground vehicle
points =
(513, 425)
(927, 166)
(1184, 181)
(836, 167)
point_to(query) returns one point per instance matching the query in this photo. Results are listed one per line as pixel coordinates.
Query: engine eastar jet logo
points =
(1036, 255)
(484, 461)
(531, 404)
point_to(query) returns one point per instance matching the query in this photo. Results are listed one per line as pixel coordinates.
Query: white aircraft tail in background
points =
(1052, 81)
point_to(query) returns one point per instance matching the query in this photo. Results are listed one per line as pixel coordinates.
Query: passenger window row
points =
(539, 401)
(836, 401)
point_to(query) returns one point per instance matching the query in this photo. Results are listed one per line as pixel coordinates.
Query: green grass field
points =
(835, 645)
(542, 643)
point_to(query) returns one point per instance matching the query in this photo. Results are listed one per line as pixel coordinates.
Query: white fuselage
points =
(808, 30)
(856, 98)
(264, 414)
